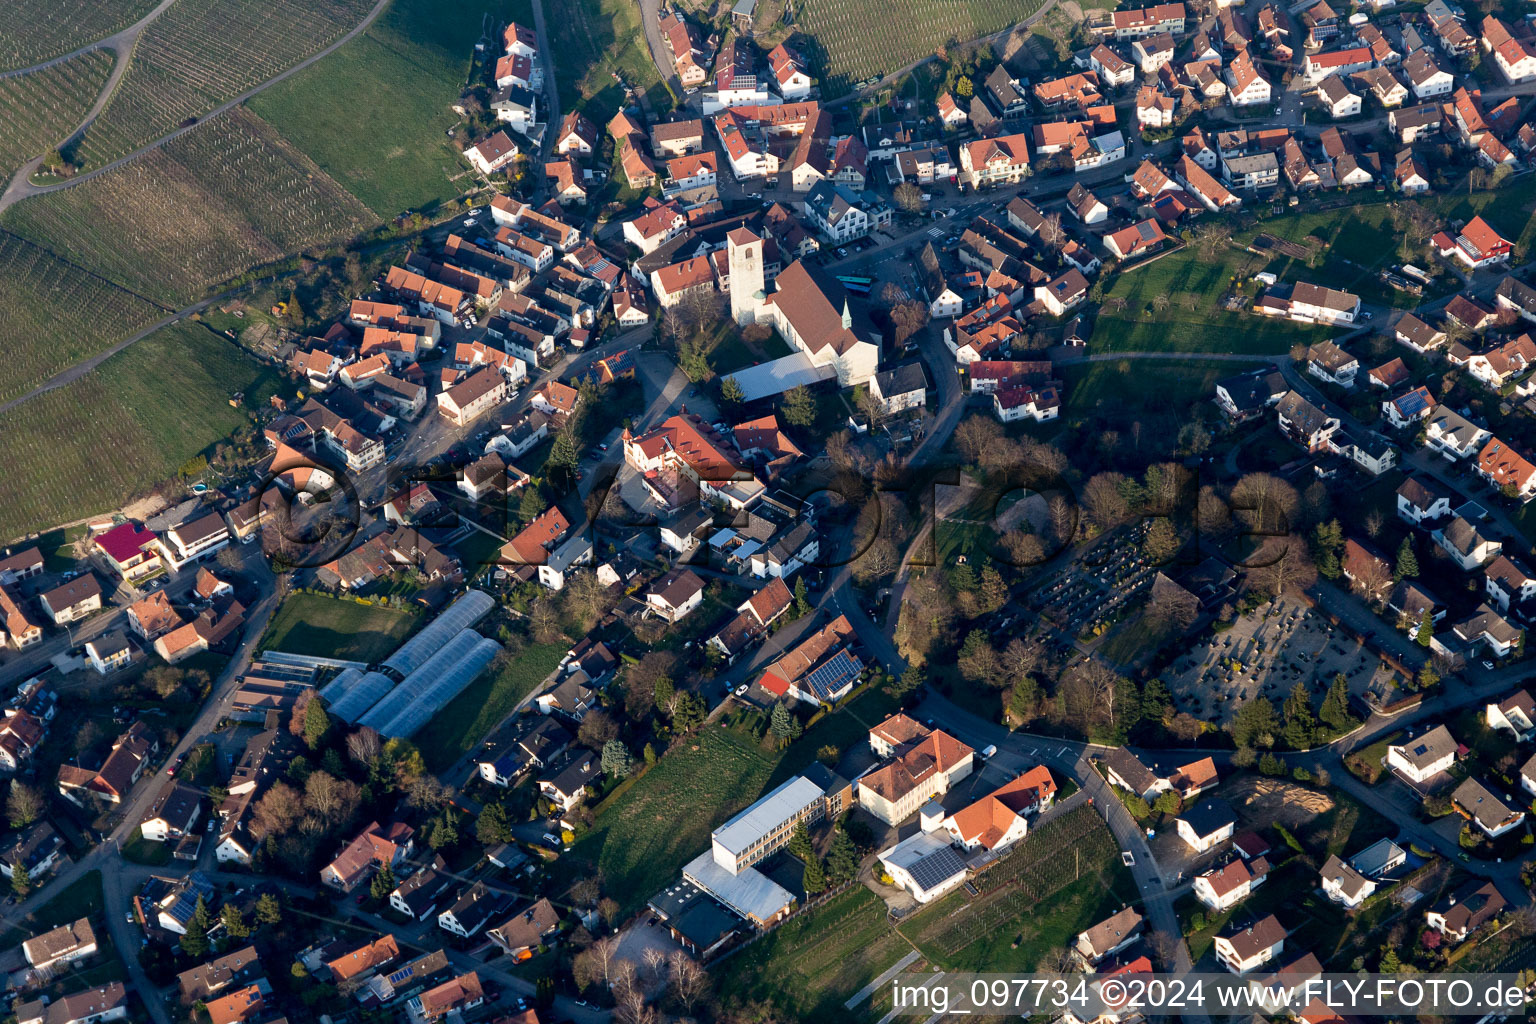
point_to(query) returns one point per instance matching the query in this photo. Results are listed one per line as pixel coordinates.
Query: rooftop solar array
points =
(937, 868)
(833, 674)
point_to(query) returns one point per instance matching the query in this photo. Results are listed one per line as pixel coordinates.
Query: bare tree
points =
(1282, 563)
(975, 434)
(364, 745)
(1103, 497)
(1266, 504)
(1051, 231)
(690, 982)
(277, 811)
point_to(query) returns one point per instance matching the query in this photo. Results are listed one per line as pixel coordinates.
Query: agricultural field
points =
(39, 110)
(91, 445)
(649, 828)
(338, 628)
(57, 314)
(1066, 876)
(468, 718)
(598, 39)
(200, 53)
(406, 72)
(847, 42)
(32, 31)
(809, 966)
(256, 200)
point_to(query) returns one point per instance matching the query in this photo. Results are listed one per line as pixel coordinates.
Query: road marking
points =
(1063, 752)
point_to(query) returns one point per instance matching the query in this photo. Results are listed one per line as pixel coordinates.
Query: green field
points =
(375, 114)
(57, 314)
(32, 31)
(1171, 384)
(337, 628)
(256, 199)
(201, 53)
(851, 41)
(469, 717)
(81, 898)
(94, 443)
(38, 111)
(646, 831)
(596, 40)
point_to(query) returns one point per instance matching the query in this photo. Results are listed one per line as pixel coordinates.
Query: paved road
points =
(661, 56)
(21, 186)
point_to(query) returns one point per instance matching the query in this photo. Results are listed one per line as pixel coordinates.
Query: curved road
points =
(21, 186)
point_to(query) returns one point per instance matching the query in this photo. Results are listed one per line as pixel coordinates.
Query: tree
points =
(1326, 541)
(163, 680)
(798, 407)
(994, 590)
(1407, 561)
(731, 393)
(827, 754)
(802, 600)
(21, 880)
(383, 882)
(1024, 700)
(689, 713)
(596, 729)
(784, 725)
(800, 843)
(316, 724)
(195, 942)
(234, 921)
(689, 981)
(1426, 632)
(268, 910)
(975, 435)
(1161, 542)
(1255, 723)
(1265, 504)
(908, 317)
(532, 504)
(1300, 723)
(842, 858)
(444, 830)
(1281, 563)
(814, 879)
(364, 746)
(618, 762)
(908, 682)
(23, 805)
(908, 197)
(1335, 710)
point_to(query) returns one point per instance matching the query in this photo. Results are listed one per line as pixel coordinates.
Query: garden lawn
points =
(337, 628)
(375, 114)
(812, 964)
(81, 898)
(89, 446)
(1169, 384)
(597, 39)
(650, 827)
(469, 717)
(139, 850)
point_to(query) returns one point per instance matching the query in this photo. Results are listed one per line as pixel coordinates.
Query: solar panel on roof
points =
(936, 868)
(830, 676)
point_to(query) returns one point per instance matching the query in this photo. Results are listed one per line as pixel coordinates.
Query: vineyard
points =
(206, 207)
(39, 110)
(853, 40)
(56, 315)
(201, 53)
(809, 965)
(375, 114)
(32, 31)
(1064, 851)
(89, 446)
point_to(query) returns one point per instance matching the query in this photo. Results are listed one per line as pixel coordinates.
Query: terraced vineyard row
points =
(201, 53)
(55, 315)
(39, 110)
(99, 441)
(32, 31)
(854, 40)
(206, 207)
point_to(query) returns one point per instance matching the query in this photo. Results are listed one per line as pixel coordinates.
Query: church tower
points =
(744, 253)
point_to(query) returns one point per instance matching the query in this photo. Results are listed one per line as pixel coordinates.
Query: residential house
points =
(174, 813)
(1109, 936)
(372, 849)
(821, 669)
(1344, 885)
(918, 772)
(1506, 469)
(1515, 714)
(674, 595)
(1421, 759)
(1225, 887)
(1491, 813)
(1207, 825)
(61, 945)
(111, 782)
(900, 387)
(1422, 499)
(565, 784)
(1251, 947)
(1465, 909)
